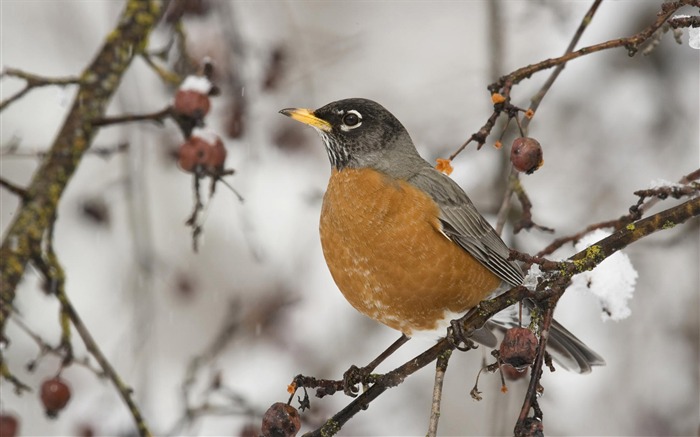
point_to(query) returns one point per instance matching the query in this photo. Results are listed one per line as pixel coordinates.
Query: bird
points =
(403, 242)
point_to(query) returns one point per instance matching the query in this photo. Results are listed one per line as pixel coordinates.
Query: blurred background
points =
(610, 125)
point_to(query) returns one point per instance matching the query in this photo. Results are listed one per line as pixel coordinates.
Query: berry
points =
(281, 420)
(191, 103)
(55, 394)
(9, 425)
(518, 348)
(217, 157)
(526, 154)
(195, 151)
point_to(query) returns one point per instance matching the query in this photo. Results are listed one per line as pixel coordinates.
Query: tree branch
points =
(98, 83)
(549, 291)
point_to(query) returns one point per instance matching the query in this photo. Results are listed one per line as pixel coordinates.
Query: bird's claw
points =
(352, 378)
(457, 336)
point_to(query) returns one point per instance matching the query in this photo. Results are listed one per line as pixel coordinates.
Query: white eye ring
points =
(351, 120)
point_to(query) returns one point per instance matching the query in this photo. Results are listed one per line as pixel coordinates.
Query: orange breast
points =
(381, 239)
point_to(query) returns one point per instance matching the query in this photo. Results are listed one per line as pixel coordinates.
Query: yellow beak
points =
(307, 116)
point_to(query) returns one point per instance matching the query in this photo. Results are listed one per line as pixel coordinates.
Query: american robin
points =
(403, 242)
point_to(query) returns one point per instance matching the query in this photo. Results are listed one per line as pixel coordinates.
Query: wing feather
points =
(463, 224)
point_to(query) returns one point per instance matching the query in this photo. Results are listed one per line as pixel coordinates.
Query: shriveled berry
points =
(281, 420)
(195, 151)
(526, 154)
(9, 425)
(191, 103)
(55, 394)
(518, 348)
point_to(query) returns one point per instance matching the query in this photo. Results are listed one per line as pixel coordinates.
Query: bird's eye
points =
(352, 119)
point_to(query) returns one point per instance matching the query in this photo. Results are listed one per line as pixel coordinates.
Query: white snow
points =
(196, 83)
(661, 183)
(694, 38)
(532, 277)
(207, 135)
(612, 282)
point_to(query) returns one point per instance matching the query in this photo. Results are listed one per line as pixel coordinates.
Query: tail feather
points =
(566, 350)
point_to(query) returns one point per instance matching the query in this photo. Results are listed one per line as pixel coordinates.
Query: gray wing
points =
(463, 224)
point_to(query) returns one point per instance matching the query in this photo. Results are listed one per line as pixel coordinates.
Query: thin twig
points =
(539, 96)
(14, 189)
(46, 348)
(440, 369)
(5, 373)
(33, 81)
(505, 205)
(505, 83)
(636, 213)
(514, 178)
(157, 117)
(54, 274)
(678, 22)
(165, 75)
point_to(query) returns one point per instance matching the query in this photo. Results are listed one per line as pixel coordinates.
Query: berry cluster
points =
(203, 152)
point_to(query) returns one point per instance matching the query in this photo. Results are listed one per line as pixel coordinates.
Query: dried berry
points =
(55, 394)
(195, 151)
(281, 420)
(9, 425)
(518, 348)
(191, 103)
(526, 154)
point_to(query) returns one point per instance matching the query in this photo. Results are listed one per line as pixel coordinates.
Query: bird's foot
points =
(355, 376)
(458, 338)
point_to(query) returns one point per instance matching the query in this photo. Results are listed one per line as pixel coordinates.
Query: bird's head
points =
(356, 132)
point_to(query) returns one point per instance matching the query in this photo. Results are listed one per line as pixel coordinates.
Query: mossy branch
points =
(97, 85)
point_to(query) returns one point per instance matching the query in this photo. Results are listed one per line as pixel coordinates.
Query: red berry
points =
(191, 103)
(55, 394)
(518, 348)
(281, 420)
(526, 154)
(217, 157)
(195, 151)
(9, 425)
